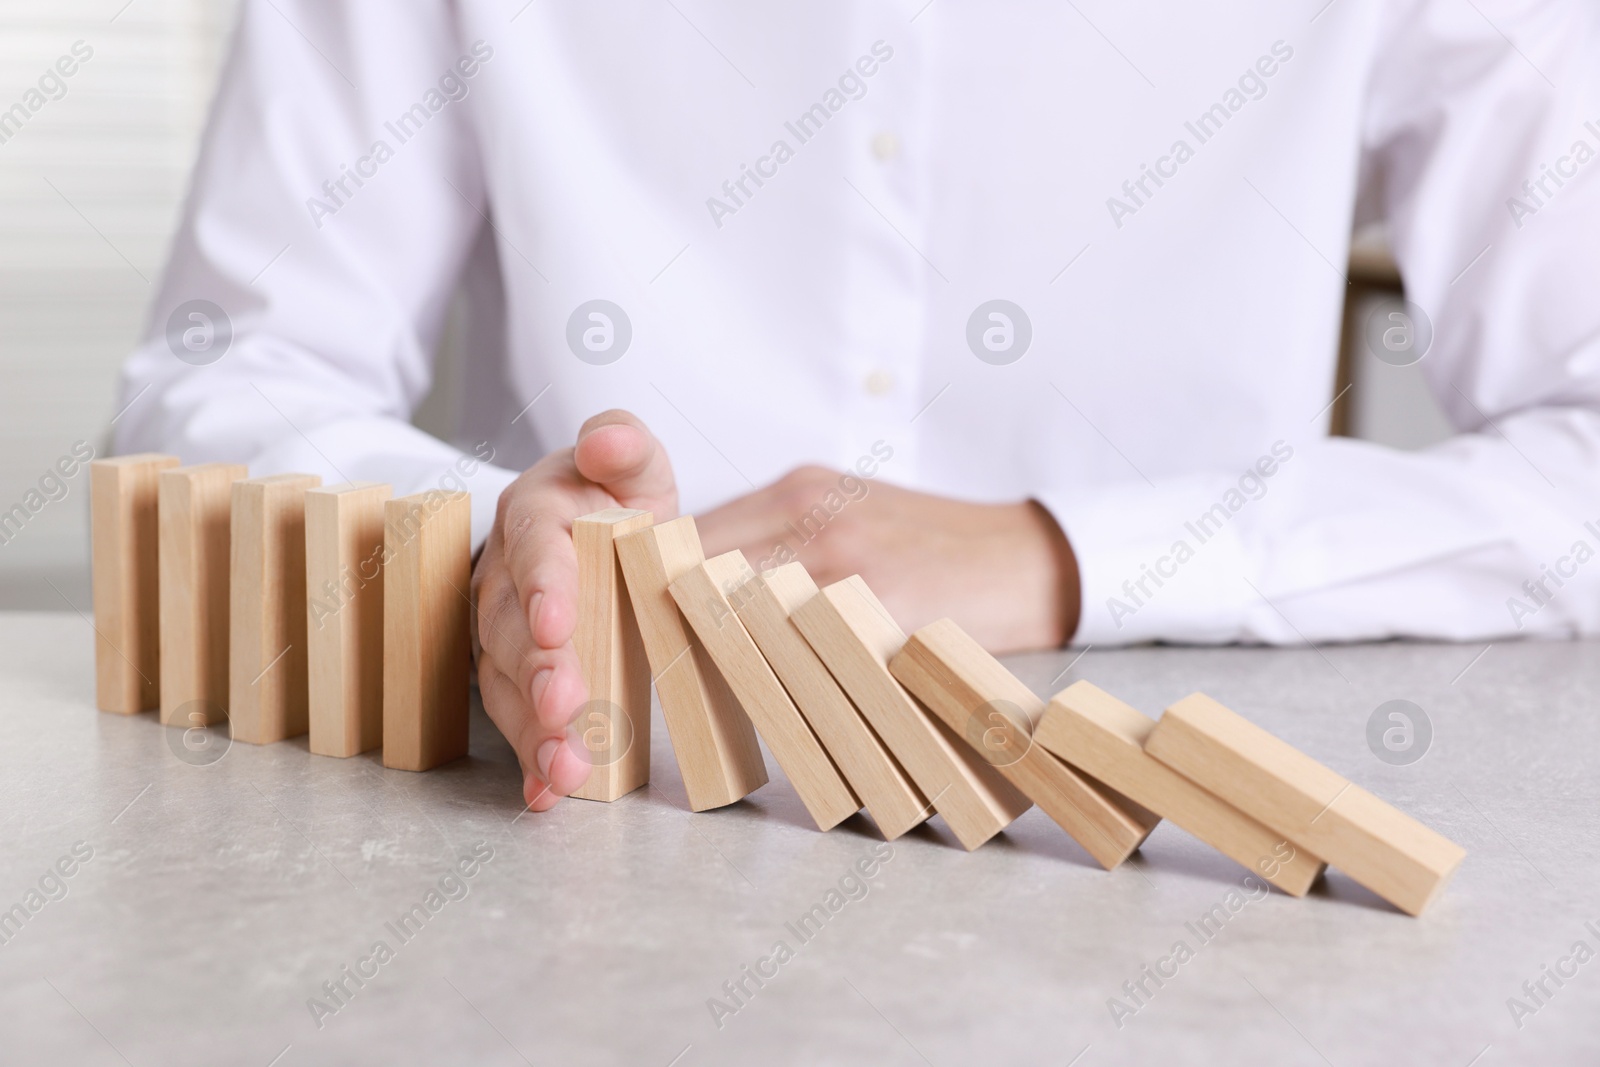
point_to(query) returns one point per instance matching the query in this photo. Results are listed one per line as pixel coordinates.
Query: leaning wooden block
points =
(614, 726)
(711, 736)
(855, 636)
(985, 704)
(344, 616)
(267, 687)
(426, 613)
(194, 505)
(700, 596)
(765, 603)
(123, 531)
(1390, 853)
(1102, 736)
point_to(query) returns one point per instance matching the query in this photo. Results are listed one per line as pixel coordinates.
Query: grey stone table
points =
(219, 896)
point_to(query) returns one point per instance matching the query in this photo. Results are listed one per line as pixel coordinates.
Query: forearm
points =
(1349, 541)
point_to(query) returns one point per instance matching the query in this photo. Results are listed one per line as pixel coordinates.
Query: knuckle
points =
(522, 523)
(498, 603)
(799, 489)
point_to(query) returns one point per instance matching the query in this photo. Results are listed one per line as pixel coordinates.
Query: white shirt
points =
(935, 157)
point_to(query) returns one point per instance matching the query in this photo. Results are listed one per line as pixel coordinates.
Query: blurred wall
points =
(90, 186)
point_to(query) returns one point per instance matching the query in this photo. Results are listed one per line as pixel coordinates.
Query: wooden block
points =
(267, 688)
(614, 725)
(765, 603)
(987, 706)
(1102, 736)
(123, 532)
(700, 596)
(711, 736)
(194, 505)
(427, 655)
(1390, 853)
(344, 616)
(856, 637)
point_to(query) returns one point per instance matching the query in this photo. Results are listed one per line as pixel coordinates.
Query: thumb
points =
(618, 453)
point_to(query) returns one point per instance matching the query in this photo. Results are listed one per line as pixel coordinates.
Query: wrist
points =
(1062, 587)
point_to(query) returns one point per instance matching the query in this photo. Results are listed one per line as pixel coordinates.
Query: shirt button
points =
(885, 146)
(879, 382)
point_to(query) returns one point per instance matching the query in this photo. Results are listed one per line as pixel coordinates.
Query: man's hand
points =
(525, 589)
(1004, 572)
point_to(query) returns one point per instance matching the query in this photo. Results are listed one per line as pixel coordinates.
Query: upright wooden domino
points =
(856, 637)
(765, 603)
(986, 705)
(613, 727)
(344, 616)
(711, 736)
(700, 596)
(1390, 853)
(123, 534)
(1102, 736)
(267, 689)
(426, 614)
(194, 505)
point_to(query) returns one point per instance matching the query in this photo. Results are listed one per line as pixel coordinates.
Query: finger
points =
(534, 521)
(531, 669)
(563, 766)
(511, 712)
(550, 769)
(617, 452)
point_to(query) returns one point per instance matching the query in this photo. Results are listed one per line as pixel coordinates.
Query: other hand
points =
(1004, 572)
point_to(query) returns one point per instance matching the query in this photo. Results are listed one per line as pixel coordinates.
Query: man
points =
(1025, 312)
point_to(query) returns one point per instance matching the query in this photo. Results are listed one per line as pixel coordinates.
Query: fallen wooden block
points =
(700, 596)
(344, 616)
(426, 613)
(123, 533)
(1102, 736)
(982, 702)
(856, 637)
(764, 603)
(1390, 853)
(712, 738)
(267, 687)
(614, 725)
(194, 505)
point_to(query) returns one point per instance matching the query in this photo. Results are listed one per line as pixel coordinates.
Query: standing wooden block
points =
(700, 596)
(267, 607)
(194, 504)
(123, 530)
(765, 603)
(1102, 736)
(1390, 853)
(987, 706)
(427, 656)
(711, 736)
(856, 637)
(614, 726)
(344, 616)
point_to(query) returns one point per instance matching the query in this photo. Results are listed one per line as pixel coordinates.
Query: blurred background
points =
(91, 184)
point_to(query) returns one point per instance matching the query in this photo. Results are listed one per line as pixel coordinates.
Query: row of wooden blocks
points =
(283, 607)
(858, 715)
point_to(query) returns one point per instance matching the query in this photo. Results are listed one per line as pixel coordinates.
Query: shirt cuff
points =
(1157, 563)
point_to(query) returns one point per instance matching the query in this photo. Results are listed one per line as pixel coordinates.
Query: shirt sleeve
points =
(1493, 533)
(337, 195)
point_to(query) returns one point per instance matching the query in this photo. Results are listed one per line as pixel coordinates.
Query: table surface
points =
(220, 896)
